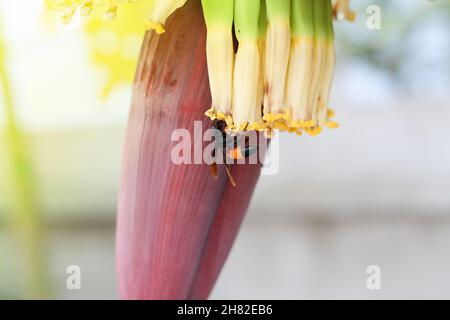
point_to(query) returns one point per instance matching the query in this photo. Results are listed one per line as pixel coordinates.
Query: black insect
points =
(232, 146)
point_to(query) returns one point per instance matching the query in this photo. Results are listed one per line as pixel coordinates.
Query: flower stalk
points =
(219, 16)
(278, 46)
(319, 64)
(247, 66)
(300, 72)
(324, 113)
(262, 54)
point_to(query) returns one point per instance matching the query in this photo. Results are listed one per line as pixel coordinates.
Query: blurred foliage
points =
(25, 216)
(114, 45)
(400, 48)
(114, 32)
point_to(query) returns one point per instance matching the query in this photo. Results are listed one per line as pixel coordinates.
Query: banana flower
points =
(254, 65)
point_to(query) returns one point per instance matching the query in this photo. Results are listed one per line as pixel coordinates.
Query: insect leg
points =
(230, 176)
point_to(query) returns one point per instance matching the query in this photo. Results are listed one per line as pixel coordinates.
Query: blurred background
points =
(374, 192)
